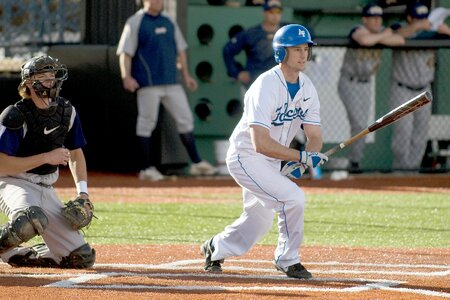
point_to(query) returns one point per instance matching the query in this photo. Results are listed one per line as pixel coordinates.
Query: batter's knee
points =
(294, 200)
(80, 258)
(27, 224)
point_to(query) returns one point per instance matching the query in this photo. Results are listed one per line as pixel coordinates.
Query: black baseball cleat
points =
(31, 257)
(207, 250)
(295, 271)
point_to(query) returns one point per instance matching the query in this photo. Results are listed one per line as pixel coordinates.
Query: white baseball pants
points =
(265, 193)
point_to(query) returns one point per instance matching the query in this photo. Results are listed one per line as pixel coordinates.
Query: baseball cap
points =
(418, 11)
(372, 10)
(271, 4)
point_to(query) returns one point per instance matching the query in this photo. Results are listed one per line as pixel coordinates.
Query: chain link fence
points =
(324, 70)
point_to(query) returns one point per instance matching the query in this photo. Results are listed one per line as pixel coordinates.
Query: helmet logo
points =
(301, 33)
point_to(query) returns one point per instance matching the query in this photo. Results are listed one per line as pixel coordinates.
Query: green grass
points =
(400, 220)
(367, 220)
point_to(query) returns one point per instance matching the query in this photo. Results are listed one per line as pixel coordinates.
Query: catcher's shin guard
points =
(80, 258)
(29, 222)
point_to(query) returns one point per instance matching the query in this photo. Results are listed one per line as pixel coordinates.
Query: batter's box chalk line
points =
(339, 268)
(85, 280)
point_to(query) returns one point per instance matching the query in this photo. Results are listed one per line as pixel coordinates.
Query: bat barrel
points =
(392, 116)
(402, 110)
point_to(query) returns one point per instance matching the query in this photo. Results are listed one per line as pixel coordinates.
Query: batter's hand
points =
(312, 159)
(293, 169)
(130, 84)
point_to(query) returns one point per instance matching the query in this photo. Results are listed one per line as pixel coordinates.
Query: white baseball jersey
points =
(267, 103)
(266, 192)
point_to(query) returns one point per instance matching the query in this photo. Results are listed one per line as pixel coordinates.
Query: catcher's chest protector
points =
(45, 130)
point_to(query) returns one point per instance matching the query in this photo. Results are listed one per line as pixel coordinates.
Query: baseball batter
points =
(412, 73)
(356, 82)
(37, 134)
(280, 102)
(149, 49)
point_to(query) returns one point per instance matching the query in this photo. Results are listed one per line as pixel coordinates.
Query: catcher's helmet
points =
(289, 36)
(44, 64)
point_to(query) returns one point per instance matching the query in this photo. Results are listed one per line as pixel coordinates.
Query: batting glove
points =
(312, 159)
(293, 169)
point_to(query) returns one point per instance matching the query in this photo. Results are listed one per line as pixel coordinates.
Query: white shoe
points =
(151, 173)
(202, 168)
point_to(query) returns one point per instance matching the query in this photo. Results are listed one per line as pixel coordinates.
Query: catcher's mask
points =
(45, 64)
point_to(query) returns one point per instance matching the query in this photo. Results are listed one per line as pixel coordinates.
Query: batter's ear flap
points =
(280, 54)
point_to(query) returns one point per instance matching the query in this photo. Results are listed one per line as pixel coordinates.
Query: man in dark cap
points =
(412, 73)
(356, 83)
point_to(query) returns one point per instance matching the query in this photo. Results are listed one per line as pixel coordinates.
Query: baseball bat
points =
(389, 118)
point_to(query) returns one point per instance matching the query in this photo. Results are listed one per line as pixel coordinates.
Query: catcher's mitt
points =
(77, 214)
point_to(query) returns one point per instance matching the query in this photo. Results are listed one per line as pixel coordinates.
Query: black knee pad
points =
(80, 258)
(27, 224)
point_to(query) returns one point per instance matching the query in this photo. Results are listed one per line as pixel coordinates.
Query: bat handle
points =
(347, 142)
(335, 149)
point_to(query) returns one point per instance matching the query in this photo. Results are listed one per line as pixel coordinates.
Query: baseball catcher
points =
(37, 134)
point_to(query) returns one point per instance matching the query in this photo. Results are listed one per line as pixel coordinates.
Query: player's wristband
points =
(82, 187)
(300, 160)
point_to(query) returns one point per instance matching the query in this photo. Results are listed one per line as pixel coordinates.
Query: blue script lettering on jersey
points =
(285, 115)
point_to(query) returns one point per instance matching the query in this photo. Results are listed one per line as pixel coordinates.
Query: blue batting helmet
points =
(289, 36)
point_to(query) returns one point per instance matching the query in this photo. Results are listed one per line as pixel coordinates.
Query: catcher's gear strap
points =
(80, 258)
(12, 117)
(28, 223)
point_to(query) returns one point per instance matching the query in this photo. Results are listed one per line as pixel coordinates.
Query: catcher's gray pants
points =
(356, 97)
(410, 133)
(17, 194)
(174, 100)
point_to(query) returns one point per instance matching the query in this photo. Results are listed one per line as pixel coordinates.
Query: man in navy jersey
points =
(257, 44)
(37, 134)
(149, 49)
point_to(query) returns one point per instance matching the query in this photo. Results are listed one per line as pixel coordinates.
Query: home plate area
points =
(250, 276)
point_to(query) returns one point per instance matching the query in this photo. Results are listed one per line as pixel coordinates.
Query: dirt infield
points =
(175, 271)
